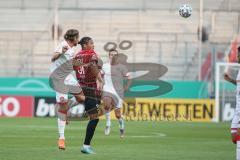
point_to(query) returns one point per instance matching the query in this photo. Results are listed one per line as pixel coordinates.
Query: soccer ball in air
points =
(185, 10)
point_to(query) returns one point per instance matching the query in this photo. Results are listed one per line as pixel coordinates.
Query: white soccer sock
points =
(86, 146)
(108, 119)
(121, 123)
(61, 128)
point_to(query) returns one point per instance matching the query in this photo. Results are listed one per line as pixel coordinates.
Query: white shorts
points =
(116, 97)
(69, 80)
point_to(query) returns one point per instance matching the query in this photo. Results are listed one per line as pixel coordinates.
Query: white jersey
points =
(68, 55)
(114, 76)
(63, 66)
(62, 69)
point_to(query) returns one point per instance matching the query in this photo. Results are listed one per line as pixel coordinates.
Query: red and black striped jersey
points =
(86, 74)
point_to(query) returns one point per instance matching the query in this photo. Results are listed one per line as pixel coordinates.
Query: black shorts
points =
(92, 102)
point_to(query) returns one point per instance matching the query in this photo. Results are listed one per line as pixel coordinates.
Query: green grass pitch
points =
(35, 139)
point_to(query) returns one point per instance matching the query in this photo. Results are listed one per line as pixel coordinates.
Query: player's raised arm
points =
(99, 64)
(126, 76)
(128, 84)
(59, 51)
(55, 56)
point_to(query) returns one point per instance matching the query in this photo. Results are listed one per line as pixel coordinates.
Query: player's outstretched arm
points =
(229, 79)
(128, 84)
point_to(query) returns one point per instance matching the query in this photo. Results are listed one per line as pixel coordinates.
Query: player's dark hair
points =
(84, 40)
(113, 50)
(71, 34)
(239, 49)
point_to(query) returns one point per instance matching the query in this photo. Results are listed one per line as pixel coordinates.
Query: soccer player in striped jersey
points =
(87, 76)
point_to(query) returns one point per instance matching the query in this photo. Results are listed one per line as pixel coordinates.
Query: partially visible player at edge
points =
(113, 90)
(87, 77)
(235, 130)
(64, 54)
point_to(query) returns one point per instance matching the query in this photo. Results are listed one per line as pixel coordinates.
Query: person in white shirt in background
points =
(113, 91)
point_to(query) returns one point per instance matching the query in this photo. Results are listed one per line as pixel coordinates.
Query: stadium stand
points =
(153, 26)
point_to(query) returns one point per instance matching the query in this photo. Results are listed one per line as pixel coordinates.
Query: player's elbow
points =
(52, 59)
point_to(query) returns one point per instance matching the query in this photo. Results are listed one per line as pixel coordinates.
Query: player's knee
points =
(62, 116)
(107, 108)
(118, 115)
(63, 107)
(106, 104)
(93, 116)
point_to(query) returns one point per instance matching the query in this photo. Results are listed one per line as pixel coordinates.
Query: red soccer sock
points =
(235, 135)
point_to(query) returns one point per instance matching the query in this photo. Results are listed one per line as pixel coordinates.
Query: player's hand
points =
(64, 49)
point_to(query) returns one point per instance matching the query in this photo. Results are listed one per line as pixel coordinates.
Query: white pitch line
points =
(149, 136)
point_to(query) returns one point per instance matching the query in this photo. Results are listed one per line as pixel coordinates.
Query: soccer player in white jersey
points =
(235, 126)
(113, 90)
(63, 80)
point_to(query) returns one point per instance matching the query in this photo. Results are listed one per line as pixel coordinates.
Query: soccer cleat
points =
(107, 130)
(121, 133)
(61, 144)
(87, 150)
